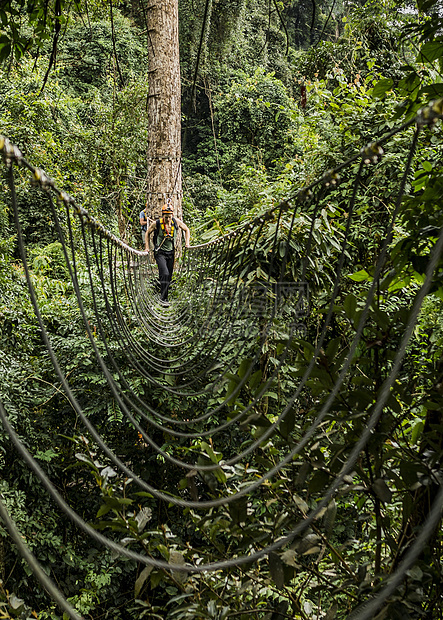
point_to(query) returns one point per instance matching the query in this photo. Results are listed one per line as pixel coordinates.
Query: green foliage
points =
(27, 24)
(369, 40)
(68, 137)
(420, 79)
(239, 36)
(88, 130)
(256, 112)
(50, 261)
(86, 58)
(257, 124)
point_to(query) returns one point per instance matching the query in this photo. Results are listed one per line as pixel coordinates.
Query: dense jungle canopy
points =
(275, 93)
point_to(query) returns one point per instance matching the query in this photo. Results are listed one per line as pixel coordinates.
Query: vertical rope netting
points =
(89, 271)
(127, 283)
(91, 285)
(203, 346)
(129, 343)
(155, 332)
(97, 252)
(428, 280)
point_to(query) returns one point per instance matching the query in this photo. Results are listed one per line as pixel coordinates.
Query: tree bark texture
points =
(164, 108)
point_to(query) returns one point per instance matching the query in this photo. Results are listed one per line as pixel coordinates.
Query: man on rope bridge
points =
(165, 233)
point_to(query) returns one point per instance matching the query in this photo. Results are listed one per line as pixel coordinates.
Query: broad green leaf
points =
(409, 85)
(308, 350)
(300, 480)
(255, 379)
(5, 51)
(104, 509)
(318, 481)
(238, 510)
(416, 432)
(287, 424)
(156, 578)
(393, 403)
(429, 404)
(350, 306)
(382, 87)
(434, 90)
(244, 367)
(232, 385)
(382, 318)
(430, 51)
(329, 518)
(382, 491)
(117, 502)
(271, 395)
(177, 598)
(220, 475)
(210, 452)
(141, 580)
(360, 276)
(164, 551)
(332, 348)
(276, 569)
(409, 472)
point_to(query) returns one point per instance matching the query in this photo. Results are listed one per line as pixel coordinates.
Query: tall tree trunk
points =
(164, 108)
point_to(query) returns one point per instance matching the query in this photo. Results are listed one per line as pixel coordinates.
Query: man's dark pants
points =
(165, 262)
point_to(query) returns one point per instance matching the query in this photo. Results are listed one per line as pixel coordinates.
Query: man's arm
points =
(143, 220)
(186, 230)
(148, 235)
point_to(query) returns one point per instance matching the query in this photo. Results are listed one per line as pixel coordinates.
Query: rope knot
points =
(40, 178)
(9, 151)
(305, 195)
(372, 153)
(330, 178)
(430, 114)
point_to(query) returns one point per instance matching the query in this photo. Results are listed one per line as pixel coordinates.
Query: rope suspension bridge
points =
(231, 298)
